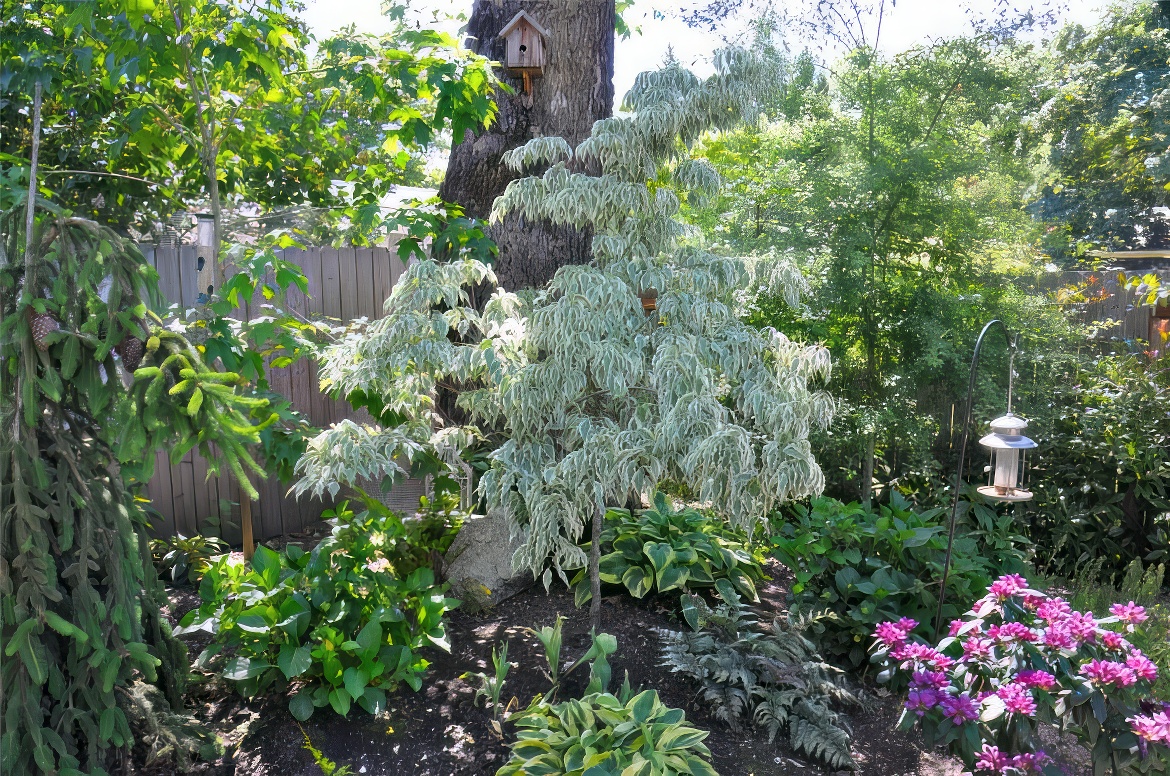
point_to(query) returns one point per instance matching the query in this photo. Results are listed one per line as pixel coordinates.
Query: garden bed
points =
(439, 731)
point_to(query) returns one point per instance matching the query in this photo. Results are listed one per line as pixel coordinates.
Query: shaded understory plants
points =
(337, 624)
(1020, 660)
(664, 548)
(770, 676)
(868, 567)
(1102, 478)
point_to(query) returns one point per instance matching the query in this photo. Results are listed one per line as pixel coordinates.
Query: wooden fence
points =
(1108, 301)
(343, 284)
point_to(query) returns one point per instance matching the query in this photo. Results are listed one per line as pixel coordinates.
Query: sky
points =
(908, 23)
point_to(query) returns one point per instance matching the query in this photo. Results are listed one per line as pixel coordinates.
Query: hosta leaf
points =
(637, 581)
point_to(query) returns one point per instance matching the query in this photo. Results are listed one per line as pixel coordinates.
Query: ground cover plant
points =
(871, 566)
(337, 625)
(769, 676)
(665, 548)
(1021, 659)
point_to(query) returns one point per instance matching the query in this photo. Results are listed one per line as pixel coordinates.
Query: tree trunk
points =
(595, 569)
(867, 472)
(574, 90)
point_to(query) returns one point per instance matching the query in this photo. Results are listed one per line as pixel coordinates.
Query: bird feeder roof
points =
(1008, 424)
(523, 17)
(1007, 442)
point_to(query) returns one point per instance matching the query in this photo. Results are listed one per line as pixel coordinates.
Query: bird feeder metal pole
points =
(1011, 341)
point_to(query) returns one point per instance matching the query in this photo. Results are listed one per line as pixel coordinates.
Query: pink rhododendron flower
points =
(1007, 586)
(1131, 614)
(977, 648)
(1109, 672)
(1029, 762)
(1113, 641)
(894, 634)
(1017, 699)
(1039, 679)
(1011, 631)
(1081, 626)
(991, 759)
(1154, 728)
(1142, 666)
(955, 625)
(1053, 610)
(1057, 637)
(959, 708)
(910, 654)
(1032, 602)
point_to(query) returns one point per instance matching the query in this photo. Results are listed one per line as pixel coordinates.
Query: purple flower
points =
(1029, 762)
(959, 708)
(933, 679)
(922, 701)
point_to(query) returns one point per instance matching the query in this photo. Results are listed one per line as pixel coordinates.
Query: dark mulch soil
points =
(438, 731)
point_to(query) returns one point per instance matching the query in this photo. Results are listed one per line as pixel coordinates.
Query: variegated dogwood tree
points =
(599, 401)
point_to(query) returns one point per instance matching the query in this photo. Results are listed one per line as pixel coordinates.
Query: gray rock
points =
(479, 563)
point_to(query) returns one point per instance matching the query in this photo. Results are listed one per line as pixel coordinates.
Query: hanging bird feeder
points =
(1008, 470)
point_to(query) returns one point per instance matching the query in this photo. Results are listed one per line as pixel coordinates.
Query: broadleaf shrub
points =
(337, 622)
(664, 548)
(868, 567)
(1020, 660)
(1102, 478)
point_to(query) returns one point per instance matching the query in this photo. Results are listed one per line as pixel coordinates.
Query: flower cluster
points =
(1020, 659)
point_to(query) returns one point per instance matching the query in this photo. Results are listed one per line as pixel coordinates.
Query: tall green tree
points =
(901, 191)
(1102, 134)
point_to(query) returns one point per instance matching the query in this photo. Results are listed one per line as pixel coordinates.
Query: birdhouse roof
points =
(523, 17)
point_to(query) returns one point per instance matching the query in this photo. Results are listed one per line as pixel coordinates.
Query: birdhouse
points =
(525, 40)
(1008, 467)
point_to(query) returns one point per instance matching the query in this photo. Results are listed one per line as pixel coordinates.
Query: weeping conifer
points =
(89, 665)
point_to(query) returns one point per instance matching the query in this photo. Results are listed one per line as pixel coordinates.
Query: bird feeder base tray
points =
(1018, 495)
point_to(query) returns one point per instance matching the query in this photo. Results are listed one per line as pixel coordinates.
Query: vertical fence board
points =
(331, 308)
(158, 490)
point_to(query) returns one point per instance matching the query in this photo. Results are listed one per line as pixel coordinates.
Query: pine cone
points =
(43, 324)
(131, 350)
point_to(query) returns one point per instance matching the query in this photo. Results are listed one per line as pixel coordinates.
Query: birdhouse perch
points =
(524, 55)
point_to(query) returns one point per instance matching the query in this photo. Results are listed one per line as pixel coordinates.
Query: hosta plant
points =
(336, 622)
(768, 675)
(663, 549)
(1020, 660)
(606, 735)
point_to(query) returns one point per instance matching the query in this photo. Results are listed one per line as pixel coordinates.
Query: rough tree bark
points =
(575, 90)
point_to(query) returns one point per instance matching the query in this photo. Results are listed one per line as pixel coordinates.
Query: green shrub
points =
(1144, 587)
(606, 735)
(772, 676)
(184, 559)
(662, 549)
(1102, 471)
(336, 622)
(871, 567)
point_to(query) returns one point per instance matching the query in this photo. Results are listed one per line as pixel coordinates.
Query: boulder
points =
(479, 562)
